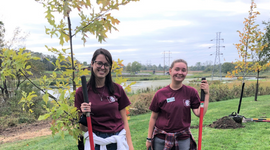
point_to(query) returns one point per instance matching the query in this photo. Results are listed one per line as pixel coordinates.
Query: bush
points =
(140, 103)
(12, 113)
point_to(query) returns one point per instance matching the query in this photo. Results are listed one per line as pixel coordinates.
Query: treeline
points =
(208, 67)
(199, 66)
(45, 63)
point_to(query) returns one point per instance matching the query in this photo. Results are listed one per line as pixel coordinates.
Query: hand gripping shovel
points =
(89, 123)
(201, 118)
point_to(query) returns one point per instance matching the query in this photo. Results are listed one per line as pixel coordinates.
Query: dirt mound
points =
(225, 123)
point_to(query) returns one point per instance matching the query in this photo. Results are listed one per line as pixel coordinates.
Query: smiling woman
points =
(169, 124)
(107, 103)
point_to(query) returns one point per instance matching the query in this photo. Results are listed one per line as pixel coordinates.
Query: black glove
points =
(83, 120)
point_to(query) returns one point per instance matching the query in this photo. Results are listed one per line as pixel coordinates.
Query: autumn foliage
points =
(250, 45)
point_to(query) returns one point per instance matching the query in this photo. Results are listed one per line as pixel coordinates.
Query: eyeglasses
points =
(100, 64)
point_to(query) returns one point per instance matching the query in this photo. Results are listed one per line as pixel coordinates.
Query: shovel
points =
(89, 123)
(236, 117)
(256, 120)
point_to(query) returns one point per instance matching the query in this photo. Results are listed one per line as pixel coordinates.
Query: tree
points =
(133, 67)
(261, 58)
(85, 63)
(128, 68)
(14, 63)
(97, 23)
(2, 33)
(11, 64)
(136, 66)
(227, 67)
(250, 43)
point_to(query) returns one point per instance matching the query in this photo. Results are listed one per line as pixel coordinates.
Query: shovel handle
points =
(201, 117)
(89, 123)
(84, 88)
(202, 91)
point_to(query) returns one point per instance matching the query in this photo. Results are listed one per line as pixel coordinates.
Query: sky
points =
(150, 31)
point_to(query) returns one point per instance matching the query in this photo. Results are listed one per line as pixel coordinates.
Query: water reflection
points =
(160, 83)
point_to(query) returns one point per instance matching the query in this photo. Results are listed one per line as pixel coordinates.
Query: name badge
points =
(172, 99)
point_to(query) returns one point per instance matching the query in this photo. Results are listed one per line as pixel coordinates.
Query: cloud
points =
(170, 8)
(171, 41)
(205, 45)
(140, 27)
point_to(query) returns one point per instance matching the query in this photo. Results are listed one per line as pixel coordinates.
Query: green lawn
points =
(255, 135)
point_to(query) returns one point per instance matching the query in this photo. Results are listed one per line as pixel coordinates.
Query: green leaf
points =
(28, 67)
(59, 112)
(45, 98)
(44, 117)
(64, 106)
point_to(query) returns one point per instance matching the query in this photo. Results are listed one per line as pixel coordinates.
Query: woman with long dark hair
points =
(107, 103)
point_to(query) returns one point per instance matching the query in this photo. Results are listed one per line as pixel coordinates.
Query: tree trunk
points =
(257, 85)
(71, 51)
(6, 95)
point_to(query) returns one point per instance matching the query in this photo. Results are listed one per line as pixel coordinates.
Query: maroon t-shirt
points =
(174, 107)
(105, 114)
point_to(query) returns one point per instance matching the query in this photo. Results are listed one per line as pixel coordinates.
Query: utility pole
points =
(164, 62)
(148, 64)
(169, 58)
(217, 56)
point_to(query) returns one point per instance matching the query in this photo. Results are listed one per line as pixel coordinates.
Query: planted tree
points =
(98, 23)
(250, 43)
(262, 57)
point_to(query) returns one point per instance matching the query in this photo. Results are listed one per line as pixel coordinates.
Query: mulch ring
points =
(222, 123)
(225, 123)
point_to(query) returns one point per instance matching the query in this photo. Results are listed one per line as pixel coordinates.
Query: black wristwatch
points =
(149, 139)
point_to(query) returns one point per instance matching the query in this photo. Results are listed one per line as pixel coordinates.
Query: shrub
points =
(140, 103)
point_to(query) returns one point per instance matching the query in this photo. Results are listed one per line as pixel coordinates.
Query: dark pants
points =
(80, 143)
(112, 146)
(183, 144)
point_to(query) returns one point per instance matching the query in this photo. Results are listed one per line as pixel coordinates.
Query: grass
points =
(255, 135)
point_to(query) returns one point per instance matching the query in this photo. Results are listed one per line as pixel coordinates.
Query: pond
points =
(156, 83)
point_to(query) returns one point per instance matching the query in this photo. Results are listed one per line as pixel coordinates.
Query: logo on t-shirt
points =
(112, 99)
(187, 102)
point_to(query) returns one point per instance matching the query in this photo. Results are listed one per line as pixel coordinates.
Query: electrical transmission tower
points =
(168, 61)
(217, 56)
(148, 64)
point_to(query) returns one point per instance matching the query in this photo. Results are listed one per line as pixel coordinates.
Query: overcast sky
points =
(148, 28)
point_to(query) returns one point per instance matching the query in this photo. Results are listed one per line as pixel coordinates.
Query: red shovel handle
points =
(201, 118)
(89, 123)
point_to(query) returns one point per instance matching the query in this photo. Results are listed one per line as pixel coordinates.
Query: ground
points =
(42, 128)
(225, 123)
(25, 131)
(222, 123)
